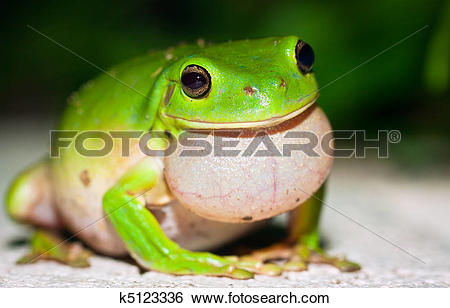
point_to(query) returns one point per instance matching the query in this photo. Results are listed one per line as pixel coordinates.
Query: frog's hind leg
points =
(46, 245)
(303, 244)
(29, 200)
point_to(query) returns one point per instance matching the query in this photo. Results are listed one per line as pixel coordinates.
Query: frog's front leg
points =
(147, 243)
(303, 243)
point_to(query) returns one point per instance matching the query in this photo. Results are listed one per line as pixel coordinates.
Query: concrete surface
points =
(410, 210)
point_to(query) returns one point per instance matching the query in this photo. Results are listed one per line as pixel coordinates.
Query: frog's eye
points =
(305, 57)
(196, 81)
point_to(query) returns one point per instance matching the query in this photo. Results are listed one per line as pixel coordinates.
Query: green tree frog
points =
(163, 211)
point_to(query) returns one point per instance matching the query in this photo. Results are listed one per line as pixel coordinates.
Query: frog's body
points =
(256, 84)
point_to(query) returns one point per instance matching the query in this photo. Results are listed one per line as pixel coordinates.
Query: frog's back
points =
(111, 102)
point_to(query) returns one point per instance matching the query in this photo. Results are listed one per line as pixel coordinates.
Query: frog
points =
(169, 211)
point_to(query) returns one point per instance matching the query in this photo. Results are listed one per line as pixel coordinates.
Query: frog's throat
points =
(234, 125)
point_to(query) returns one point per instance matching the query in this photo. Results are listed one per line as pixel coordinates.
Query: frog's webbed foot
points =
(184, 262)
(298, 256)
(49, 246)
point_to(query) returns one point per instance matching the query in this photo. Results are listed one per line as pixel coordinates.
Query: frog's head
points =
(241, 84)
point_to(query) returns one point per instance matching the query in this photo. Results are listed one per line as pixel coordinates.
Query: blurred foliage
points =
(438, 58)
(404, 88)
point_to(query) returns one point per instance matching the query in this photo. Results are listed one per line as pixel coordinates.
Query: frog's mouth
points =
(270, 122)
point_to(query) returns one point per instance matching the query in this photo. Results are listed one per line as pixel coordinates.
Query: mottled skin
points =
(254, 84)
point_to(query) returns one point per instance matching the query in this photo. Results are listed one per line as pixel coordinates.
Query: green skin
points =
(158, 102)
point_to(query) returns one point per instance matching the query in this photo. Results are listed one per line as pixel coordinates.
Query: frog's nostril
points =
(248, 90)
(282, 83)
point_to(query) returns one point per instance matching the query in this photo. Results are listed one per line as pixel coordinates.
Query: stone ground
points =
(408, 210)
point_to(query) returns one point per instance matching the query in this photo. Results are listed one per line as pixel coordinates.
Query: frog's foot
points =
(298, 256)
(48, 246)
(184, 262)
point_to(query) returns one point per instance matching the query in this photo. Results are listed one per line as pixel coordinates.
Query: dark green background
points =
(406, 88)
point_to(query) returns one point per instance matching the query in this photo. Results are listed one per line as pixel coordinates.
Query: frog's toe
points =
(341, 263)
(258, 267)
(345, 265)
(295, 266)
(240, 273)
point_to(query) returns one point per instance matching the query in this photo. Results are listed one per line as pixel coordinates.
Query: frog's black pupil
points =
(193, 80)
(196, 81)
(306, 55)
